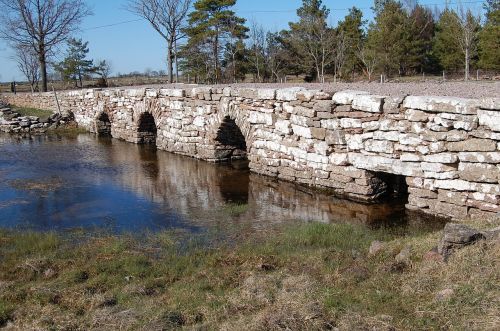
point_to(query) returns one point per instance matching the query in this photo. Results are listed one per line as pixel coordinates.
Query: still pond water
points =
(59, 183)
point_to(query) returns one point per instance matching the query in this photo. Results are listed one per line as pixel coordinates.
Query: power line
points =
(113, 24)
(282, 11)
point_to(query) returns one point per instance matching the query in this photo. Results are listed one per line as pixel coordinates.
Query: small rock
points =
(49, 273)
(375, 247)
(129, 278)
(493, 234)
(267, 267)
(445, 294)
(456, 236)
(404, 256)
(433, 255)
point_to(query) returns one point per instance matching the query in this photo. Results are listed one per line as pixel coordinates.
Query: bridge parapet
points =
(445, 152)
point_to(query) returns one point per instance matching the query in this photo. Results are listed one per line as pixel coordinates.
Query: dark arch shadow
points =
(230, 143)
(146, 132)
(103, 125)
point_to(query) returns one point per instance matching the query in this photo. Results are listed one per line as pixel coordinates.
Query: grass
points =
(42, 114)
(311, 276)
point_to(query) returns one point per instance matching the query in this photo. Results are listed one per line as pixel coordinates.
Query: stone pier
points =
(443, 152)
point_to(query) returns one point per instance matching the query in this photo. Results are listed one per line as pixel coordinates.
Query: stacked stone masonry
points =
(447, 149)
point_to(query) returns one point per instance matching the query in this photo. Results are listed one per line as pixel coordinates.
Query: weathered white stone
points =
(414, 115)
(437, 167)
(175, 93)
(288, 94)
(456, 184)
(409, 139)
(301, 131)
(346, 97)
(300, 120)
(410, 157)
(379, 146)
(386, 135)
(479, 157)
(283, 126)
(199, 121)
(368, 103)
(490, 119)
(477, 172)
(260, 118)
(441, 158)
(339, 159)
(330, 124)
(490, 103)
(266, 94)
(349, 123)
(442, 104)
(354, 141)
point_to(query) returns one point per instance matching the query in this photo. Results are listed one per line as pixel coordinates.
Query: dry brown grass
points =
(311, 277)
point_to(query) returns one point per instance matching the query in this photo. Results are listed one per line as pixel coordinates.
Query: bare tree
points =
(315, 43)
(40, 25)
(469, 26)
(368, 57)
(28, 64)
(257, 47)
(341, 46)
(167, 18)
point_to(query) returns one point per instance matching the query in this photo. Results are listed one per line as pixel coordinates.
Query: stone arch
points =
(231, 134)
(102, 124)
(146, 129)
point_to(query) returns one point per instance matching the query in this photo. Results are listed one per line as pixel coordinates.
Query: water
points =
(60, 183)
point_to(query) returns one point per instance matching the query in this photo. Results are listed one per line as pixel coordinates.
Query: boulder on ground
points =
(457, 236)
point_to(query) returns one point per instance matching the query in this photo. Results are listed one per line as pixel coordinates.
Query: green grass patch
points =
(41, 113)
(235, 209)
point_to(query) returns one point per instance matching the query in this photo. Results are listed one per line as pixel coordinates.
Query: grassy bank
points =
(312, 276)
(41, 113)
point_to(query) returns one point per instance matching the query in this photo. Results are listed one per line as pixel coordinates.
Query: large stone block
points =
(302, 131)
(442, 104)
(492, 157)
(288, 94)
(477, 172)
(490, 103)
(441, 158)
(472, 145)
(346, 97)
(447, 209)
(368, 103)
(490, 119)
(379, 146)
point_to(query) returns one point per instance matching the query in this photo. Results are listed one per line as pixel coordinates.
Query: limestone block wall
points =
(446, 150)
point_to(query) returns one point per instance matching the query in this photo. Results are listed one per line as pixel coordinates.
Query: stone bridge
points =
(443, 152)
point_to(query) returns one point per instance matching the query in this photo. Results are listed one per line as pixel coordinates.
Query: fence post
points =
(444, 78)
(477, 74)
(57, 100)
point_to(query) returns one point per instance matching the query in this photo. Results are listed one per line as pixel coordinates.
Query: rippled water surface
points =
(61, 182)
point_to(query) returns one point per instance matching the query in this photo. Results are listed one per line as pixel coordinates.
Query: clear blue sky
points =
(135, 46)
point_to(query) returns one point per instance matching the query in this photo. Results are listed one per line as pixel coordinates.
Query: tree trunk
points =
(43, 70)
(176, 62)
(467, 63)
(170, 61)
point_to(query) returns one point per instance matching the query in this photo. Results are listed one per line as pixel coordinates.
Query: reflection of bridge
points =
(200, 190)
(443, 152)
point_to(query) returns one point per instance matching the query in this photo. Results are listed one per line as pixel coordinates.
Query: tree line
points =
(403, 39)
(207, 41)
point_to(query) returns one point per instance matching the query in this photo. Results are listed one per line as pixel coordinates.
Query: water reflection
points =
(107, 182)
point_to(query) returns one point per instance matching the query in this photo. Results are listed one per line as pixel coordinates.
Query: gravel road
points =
(456, 89)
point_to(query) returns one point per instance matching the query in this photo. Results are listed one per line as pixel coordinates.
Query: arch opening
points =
(146, 132)
(390, 187)
(103, 125)
(230, 142)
